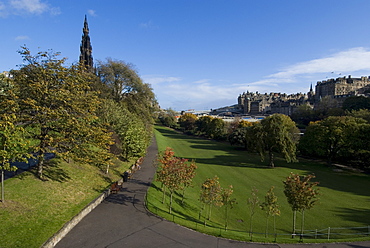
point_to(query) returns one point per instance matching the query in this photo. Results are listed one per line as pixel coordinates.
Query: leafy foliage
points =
(332, 137)
(174, 173)
(211, 194)
(57, 104)
(276, 133)
(301, 194)
(270, 207)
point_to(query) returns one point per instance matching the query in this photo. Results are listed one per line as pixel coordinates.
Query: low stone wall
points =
(51, 242)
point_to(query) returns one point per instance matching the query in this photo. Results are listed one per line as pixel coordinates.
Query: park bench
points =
(114, 188)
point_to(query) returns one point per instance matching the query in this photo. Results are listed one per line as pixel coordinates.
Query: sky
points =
(200, 54)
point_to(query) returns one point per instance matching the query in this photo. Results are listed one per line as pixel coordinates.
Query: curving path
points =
(122, 220)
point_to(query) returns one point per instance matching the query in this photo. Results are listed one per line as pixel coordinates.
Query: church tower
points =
(86, 58)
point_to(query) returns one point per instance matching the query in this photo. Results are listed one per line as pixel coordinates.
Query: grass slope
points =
(34, 210)
(344, 199)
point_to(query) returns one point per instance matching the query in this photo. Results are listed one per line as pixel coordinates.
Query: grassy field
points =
(34, 210)
(344, 196)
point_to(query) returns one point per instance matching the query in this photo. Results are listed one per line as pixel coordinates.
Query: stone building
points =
(255, 103)
(341, 88)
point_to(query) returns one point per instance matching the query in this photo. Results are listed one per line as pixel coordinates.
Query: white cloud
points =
(20, 7)
(148, 25)
(91, 12)
(30, 6)
(153, 80)
(349, 61)
(22, 37)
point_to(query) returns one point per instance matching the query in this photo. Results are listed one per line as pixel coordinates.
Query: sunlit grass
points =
(34, 210)
(344, 196)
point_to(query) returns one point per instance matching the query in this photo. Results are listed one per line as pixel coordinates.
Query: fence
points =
(328, 234)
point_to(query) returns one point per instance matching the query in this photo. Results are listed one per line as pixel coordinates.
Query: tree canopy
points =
(58, 107)
(276, 133)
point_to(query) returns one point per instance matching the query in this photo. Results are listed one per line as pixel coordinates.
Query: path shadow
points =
(122, 199)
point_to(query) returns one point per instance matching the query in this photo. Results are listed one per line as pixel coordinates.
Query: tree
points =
(127, 87)
(217, 129)
(168, 118)
(362, 113)
(356, 103)
(187, 174)
(211, 194)
(131, 130)
(238, 137)
(227, 201)
(277, 133)
(303, 115)
(270, 207)
(174, 173)
(187, 122)
(330, 137)
(253, 203)
(58, 107)
(203, 124)
(301, 195)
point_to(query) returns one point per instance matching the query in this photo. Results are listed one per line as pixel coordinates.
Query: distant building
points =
(341, 88)
(251, 103)
(86, 57)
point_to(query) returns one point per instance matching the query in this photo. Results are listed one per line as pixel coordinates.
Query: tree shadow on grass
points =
(359, 215)
(53, 171)
(356, 183)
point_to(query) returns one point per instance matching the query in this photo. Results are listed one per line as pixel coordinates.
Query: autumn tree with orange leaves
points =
(174, 173)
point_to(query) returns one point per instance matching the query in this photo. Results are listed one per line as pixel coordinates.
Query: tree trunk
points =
(302, 224)
(226, 218)
(271, 155)
(164, 194)
(40, 165)
(209, 212)
(2, 186)
(171, 202)
(250, 227)
(267, 226)
(294, 219)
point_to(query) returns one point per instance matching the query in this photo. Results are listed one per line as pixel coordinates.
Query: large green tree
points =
(127, 87)
(187, 122)
(330, 138)
(276, 133)
(57, 105)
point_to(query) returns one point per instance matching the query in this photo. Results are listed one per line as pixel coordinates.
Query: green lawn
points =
(344, 196)
(34, 210)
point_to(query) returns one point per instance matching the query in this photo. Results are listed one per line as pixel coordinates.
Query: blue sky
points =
(201, 54)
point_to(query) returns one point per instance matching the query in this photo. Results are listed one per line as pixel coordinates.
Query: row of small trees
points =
(300, 192)
(47, 106)
(177, 174)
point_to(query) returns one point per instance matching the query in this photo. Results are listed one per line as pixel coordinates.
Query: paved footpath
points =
(122, 220)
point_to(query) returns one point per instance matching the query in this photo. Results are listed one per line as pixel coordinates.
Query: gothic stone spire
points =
(86, 58)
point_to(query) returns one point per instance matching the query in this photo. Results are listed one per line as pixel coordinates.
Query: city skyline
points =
(201, 54)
